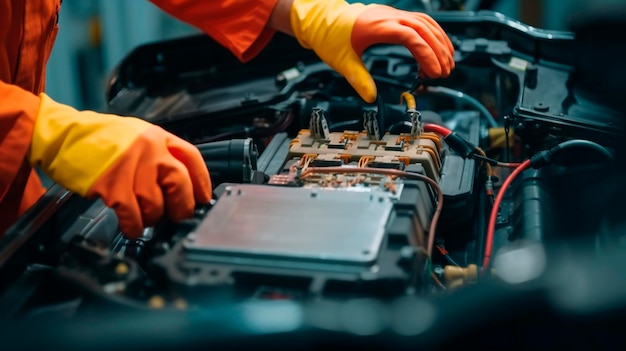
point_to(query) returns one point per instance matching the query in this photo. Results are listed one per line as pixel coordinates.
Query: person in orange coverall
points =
(139, 169)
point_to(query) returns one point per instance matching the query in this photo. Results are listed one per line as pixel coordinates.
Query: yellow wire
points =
(410, 100)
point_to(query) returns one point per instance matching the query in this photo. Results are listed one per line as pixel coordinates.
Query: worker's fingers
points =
(178, 192)
(129, 217)
(421, 50)
(434, 40)
(419, 33)
(191, 158)
(126, 207)
(443, 36)
(353, 69)
(149, 198)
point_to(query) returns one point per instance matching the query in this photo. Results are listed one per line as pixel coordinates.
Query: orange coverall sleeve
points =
(238, 25)
(19, 185)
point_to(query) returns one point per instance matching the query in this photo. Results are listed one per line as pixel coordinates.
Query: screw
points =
(541, 107)
(122, 269)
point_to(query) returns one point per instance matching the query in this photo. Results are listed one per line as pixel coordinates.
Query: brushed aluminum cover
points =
(278, 223)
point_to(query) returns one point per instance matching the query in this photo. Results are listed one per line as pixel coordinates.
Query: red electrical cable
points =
(494, 213)
(435, 128)
(441, 250)
(508, 164)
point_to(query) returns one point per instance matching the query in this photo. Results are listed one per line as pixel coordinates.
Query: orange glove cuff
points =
(328, 20)
(74, 148)
(326, 27)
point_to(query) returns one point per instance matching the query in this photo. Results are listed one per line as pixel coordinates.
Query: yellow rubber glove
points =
(339, 32)
(138, 169)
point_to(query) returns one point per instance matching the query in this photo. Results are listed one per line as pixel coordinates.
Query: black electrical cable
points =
(452, 93)
(543, 158)
(506, 147)
(451, 260)
(586, 144)
(399, 124)
(231, 134)
(443, 252)
(455, 94)
(540, 159)
(382, 115)
(483, 211)
(340, 126)
(280, 125)
(507, 122)
(486, 159)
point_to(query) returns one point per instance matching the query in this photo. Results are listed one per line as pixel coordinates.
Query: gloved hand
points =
(138, 169)
(339, 32)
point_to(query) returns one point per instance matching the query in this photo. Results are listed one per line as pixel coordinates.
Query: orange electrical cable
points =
(391, 185)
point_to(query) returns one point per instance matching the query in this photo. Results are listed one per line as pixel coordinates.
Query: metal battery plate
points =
(281, 223)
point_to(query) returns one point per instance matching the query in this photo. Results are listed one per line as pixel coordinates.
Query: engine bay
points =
(450, 212)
